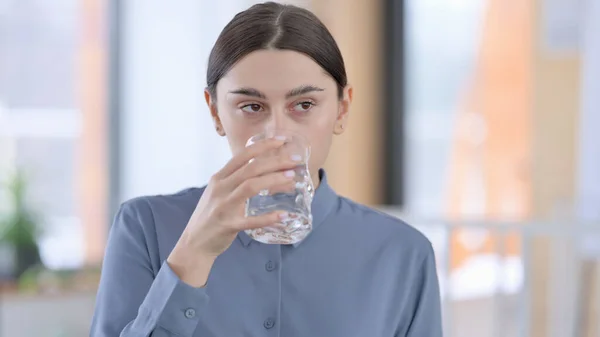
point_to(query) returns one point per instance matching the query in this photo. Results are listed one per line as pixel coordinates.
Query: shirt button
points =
(269, 323)
(190, 313)
(270, 266)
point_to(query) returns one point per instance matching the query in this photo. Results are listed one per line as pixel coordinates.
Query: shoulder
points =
(385, 229)
(148, 206)
(160, 202)
(153, 223)
(153, 211)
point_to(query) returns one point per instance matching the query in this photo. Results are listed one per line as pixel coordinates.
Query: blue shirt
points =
(358, 273)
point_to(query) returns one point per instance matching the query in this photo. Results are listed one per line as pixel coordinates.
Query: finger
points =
(249, 153)
(262, 166)
(259, 221)
(286, 187)
(253, 186)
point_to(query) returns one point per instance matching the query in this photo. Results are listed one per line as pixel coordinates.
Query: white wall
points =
(589, 148)
(168, 139)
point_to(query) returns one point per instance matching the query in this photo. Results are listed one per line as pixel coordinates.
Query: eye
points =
(252, 108)
(303, 106)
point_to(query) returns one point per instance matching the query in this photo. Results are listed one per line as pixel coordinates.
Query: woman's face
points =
(280, 89)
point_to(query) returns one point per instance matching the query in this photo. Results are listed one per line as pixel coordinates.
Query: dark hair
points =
(272, 25)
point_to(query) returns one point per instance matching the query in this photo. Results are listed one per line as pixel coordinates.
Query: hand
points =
(219, 214)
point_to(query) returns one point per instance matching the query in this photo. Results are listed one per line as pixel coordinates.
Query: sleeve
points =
(131, 301)
(427, 314)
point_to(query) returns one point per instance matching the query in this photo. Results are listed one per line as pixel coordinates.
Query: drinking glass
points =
(297, 203)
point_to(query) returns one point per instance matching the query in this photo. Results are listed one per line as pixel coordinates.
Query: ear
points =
(341, 122)
(212, 107)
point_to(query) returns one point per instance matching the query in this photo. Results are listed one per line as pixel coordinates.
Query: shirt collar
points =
(322, 204)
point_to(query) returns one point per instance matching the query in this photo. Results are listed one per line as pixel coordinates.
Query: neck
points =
(316, 179)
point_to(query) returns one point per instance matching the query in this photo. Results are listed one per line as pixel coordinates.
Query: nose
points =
(279, 120)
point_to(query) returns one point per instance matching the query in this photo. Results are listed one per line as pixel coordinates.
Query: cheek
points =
(318, 128)
(321, 134)
(328, 113)
(321, 139)
(238, 138)
(236, 131)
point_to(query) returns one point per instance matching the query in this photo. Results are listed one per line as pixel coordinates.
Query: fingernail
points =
(283, 216)
(279, 137)
(289, 173)
(296, 157)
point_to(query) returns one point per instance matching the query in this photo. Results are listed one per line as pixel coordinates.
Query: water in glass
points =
(297, 203)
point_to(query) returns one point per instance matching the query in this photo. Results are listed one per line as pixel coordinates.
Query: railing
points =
(534, 279)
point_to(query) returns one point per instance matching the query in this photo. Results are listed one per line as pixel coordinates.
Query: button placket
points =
(190, 313)
(269, 323)
(270, 266)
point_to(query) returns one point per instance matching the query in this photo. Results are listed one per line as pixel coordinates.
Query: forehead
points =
(274, 72)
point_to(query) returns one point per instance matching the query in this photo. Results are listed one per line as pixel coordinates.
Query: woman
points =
(182, 265)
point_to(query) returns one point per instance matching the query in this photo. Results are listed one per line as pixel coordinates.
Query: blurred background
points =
(474, 120)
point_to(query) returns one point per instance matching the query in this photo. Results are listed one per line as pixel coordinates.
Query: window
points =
(48, 80)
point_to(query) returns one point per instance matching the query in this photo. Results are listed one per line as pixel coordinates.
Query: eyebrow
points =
(248, 92)
(301, 90)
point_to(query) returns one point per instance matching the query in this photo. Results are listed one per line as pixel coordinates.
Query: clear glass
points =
(297, 203)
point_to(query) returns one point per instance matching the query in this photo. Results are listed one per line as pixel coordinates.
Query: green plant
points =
(19, 228)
